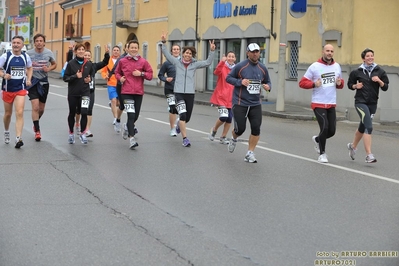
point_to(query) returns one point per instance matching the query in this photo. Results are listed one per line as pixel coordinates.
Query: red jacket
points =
(133, 84)
(223, 93)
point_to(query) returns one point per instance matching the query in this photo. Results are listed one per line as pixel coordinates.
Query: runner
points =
(78, 76)
(111, 84)
(248, 77)
(16, 74)
(184, 88)
(170, 71)
(131, 72)
(43, 61)
(95, 68)
(222, 97)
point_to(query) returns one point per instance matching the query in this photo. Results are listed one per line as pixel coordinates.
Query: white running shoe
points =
(89, 134)
(212, 135)
(223, 140)
(173, 132)
(316, 145)
(113, 122)
(323, 158)
(133, 143)
(6, 137)
(370, 158)
(77, 129)
(71, 139)
(232, 145)
(117, 127)
(125, 132)
(352, 151)
(250, 158)
(83, 138)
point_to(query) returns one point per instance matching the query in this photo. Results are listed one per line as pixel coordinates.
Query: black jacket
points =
(77, 86)
(170, 71)
(369, 93)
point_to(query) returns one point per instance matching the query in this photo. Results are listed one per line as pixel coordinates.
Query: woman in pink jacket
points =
(131, 72)
(222, 97)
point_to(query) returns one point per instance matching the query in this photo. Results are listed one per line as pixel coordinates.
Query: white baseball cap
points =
(252, 47)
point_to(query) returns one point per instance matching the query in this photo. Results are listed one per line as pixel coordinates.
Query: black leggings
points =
(132, 117)
(188, 101)
(366, 113)
(91, 104)
(327, 122)
(254, 115)
(74, 103)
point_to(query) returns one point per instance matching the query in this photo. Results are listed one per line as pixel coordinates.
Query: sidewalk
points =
(268, 108)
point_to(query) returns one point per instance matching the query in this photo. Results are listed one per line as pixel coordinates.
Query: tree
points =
(2, 31)
(25, 3)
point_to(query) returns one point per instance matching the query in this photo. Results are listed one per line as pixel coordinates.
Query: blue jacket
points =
(248, 70)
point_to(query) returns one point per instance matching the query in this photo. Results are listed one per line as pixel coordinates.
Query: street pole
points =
(113, 41)
(281, 62)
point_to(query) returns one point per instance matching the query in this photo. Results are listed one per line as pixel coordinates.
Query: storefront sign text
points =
(225, 10)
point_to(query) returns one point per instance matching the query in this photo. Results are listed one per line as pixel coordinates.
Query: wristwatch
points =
(142, 74)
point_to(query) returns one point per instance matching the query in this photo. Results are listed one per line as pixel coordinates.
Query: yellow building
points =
(350, 26)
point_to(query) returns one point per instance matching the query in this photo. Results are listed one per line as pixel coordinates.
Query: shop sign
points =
(225, 10)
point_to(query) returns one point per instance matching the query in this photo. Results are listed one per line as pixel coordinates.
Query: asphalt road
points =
(164, 204)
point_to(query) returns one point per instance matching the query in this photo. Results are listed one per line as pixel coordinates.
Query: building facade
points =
(350, 26)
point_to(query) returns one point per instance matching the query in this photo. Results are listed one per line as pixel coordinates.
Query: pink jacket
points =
(223, 93)
(133, 84)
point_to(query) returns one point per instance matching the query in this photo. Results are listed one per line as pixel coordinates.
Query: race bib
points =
(181, 107)
(170, 98)
(85, 101)
(328, 79)
(91, 84)
(223, 112)
(254, 86)
(129, 106)
(17, 72)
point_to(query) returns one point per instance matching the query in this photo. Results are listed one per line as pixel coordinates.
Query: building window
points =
(50, 22)
(109, 4)
(36, 23)
(293, 60)
(98, 5)
(97, 53)
(56, 19)
(145, 50)
(235, 46)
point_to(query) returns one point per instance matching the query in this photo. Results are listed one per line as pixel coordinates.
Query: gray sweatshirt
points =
(185, 76)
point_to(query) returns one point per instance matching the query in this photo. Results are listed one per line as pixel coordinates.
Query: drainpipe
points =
(196, 21)
(271, 22)
(62, 36)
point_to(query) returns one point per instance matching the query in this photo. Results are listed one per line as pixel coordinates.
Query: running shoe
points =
(223, 140)
(125, 132)
(212, 135)
(232, 145)
(109, 103)
(323, 158)
(133, 143)
(83, 138)
(173, 132)
(89, 134)
(177, 126)
(370, 158)
(18, 143)
(352, 151)
(6, 137)
(77, 129)
(71, 139)
(117, 127)
(316, 145)
(113, 122)
(186, 142)
(38, 136)
(250, 158)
